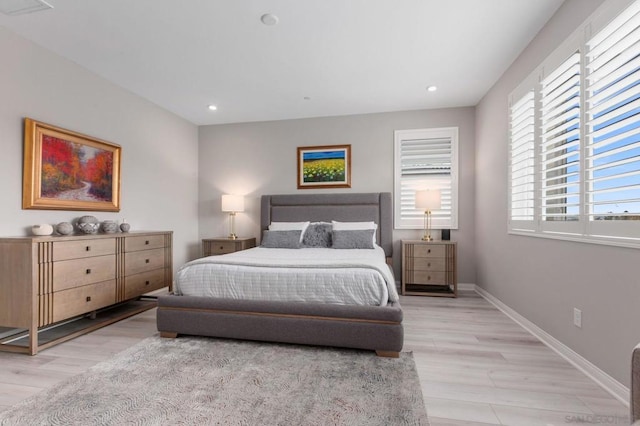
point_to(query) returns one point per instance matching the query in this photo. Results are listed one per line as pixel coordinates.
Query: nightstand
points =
(429, 268)
(223, 245)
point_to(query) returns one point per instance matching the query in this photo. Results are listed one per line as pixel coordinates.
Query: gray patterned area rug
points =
(202, 381)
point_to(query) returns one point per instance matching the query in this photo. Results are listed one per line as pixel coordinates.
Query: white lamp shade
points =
(232, 203)
(430, 199)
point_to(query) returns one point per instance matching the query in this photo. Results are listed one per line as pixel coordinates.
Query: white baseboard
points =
(466, 286)
(611, 385)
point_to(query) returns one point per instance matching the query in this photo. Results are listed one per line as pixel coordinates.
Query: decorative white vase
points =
(42, 229)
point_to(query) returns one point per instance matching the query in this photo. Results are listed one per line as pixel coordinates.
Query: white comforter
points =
(325, 275)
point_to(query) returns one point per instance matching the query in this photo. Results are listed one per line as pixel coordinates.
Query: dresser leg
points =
(92, 315)
(168, 334)
(33, 340)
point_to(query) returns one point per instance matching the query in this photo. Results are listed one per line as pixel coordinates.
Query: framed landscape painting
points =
(324, 166)
(65, 170)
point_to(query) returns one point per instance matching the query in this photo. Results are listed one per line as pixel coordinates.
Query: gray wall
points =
(159, 149)
(545, 279)
(260, 158)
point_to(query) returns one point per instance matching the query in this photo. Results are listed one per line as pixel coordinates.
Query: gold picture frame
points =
(66, 170)
(327, 166)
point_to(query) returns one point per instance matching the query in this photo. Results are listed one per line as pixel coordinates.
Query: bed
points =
(369, 327)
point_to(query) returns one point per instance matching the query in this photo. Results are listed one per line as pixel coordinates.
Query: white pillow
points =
(290, 226)
(354, 226)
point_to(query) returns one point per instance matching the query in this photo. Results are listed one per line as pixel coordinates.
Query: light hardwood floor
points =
(476, 367)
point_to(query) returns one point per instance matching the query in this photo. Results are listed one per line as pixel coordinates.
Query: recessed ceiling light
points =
(307, 98)
(432, 89)
(269, 19)
(213, 107)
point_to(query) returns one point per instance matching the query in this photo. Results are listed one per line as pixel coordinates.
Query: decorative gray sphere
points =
(64, 228)
(124, 227)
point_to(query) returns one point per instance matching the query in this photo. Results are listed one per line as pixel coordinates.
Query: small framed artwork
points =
(65, 170)
(324, 166)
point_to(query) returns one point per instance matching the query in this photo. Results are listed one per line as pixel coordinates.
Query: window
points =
(426, 159)
(613, 126)
(574, 137)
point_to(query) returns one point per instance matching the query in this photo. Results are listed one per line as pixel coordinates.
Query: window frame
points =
(426, 133)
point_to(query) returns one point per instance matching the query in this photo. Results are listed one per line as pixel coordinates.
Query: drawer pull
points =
(146, 242)
(146, 261)
(221, 247)
(429, 277)
(88, 271)
(429, 265)
(428, 250)
(147, 282)
(88, 248)
(88, 298)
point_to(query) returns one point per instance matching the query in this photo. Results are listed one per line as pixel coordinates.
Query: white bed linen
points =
(324, 275)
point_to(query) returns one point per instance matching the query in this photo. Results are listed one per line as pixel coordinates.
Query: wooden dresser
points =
(429, 268)
(46, 280)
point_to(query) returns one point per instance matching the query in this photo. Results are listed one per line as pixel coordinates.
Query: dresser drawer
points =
(80, 300)
(428, 264)
(430, 250)
(427, 277)
(223, 247)
(79, 272)
(135, 285)
(76, 249)
(142, 261)
(143, 242)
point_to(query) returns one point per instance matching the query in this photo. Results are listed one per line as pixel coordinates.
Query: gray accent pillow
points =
(317, 235)
(354, 239)
(281, 239)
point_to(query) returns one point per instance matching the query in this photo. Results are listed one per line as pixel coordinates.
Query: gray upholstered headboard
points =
(359, 207)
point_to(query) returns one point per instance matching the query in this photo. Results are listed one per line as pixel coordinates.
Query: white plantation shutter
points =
(574, 164)
(560, 142)
(521, 162)
(613, 127)
(425, 159)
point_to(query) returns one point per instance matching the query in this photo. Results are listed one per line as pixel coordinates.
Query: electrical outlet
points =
(577, 317)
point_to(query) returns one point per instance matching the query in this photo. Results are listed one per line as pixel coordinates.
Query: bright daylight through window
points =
(574, 138)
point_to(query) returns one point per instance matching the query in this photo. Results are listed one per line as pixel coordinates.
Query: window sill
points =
(575, 238)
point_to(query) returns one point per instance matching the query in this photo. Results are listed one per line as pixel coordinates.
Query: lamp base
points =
(233, 237)
(427, 238)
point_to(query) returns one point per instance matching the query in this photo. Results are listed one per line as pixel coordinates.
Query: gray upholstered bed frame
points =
(377, 328)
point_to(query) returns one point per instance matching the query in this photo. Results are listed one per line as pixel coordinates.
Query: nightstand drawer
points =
(431, 250)
(63, 250)
(80, 300)
(80, 272)
(223, 247)
(429, 264)
(217, 246)
(427, 277)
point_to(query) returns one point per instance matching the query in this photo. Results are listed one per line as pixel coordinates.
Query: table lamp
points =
(428, 200)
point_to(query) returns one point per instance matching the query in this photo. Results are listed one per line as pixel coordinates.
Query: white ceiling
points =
(347, 56)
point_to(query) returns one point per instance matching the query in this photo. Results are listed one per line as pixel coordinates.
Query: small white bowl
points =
(42, 229)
